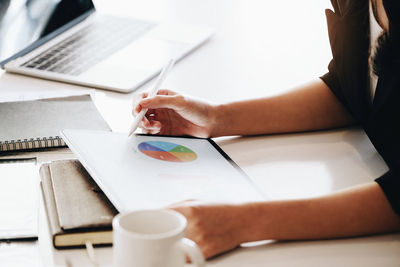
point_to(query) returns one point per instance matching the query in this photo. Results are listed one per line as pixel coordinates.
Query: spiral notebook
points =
(29, 125)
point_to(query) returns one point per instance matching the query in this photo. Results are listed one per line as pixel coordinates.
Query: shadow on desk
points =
(306, 164)
(380, 250)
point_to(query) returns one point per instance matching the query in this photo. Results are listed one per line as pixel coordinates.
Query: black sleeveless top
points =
(348, 78)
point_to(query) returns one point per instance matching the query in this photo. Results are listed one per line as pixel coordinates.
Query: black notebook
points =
(36, 124)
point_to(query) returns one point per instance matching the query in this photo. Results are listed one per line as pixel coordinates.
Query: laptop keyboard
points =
(90, 45)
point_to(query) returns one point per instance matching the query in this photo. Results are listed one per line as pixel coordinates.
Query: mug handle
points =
(192, 250)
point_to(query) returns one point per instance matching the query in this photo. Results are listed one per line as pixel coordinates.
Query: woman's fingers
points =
(175, 102)
(135, 103)
(174, 113)
(166, 92)
(150, 126)
(137, 98)
(136, 110)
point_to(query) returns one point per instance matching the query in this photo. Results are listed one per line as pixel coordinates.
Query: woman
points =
(362, 86)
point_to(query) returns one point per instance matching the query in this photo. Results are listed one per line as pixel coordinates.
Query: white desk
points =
(260, 48)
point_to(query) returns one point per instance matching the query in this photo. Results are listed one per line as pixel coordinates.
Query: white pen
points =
(153, 92)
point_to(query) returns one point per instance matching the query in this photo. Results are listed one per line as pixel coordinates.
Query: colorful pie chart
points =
(167, 151)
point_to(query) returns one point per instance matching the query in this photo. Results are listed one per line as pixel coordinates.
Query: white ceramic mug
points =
(153, 238)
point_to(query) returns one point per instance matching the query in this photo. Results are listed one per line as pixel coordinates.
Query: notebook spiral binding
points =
(32, 143)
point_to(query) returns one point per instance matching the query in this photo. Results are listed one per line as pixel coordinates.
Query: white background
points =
(260, 48)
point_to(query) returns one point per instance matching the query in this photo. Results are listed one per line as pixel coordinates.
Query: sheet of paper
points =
(28, 95)
(20, 255)
(19, 197)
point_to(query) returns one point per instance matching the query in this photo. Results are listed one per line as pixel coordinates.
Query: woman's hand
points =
(357, 211)
(170, 113)
(214, 228)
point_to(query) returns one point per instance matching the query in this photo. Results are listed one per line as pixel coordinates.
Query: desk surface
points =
(260, 48)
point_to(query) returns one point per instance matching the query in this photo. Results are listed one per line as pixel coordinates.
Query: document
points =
(19, 196)
(146, 172)
(30, 95)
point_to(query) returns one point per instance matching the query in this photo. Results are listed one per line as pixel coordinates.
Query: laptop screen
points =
(25, 24)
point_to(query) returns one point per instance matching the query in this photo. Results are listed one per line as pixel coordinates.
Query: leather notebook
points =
(77, 209)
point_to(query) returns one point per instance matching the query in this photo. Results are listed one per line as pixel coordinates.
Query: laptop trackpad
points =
(135, 63)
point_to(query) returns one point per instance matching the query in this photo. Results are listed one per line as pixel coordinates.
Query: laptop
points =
(68, 41)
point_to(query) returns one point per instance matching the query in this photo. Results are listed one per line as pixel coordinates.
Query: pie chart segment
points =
(186, 157)
(164, 146)
(161, 155)
(167, 151)
(182, 149)
(148, 147)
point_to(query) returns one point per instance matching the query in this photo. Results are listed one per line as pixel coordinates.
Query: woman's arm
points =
(361, 210)
(309, 107)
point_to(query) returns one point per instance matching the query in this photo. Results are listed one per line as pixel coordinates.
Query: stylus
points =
(153, 92)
